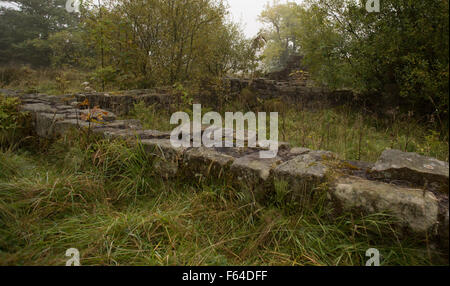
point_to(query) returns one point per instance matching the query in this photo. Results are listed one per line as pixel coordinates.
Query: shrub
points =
(13, 122)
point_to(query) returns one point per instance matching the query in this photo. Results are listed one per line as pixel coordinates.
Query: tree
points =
(397, 57)
(158, 42)
(281, 36)
(22, 29)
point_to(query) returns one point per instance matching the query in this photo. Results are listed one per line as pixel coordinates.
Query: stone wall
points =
(121, 103)
(293, 91)
(413, 188)
(298, 92)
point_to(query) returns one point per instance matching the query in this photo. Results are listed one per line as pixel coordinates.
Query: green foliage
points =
(352, 134)
(281, 197)
(398, 57)
(281, 37)
(135, 44)
(215, 92)
(24, 31)
(161, 42)
(356, 135)
(152, 117)
(104, 76)
(69, 50)
(62, 83)
(13, 122)
(186, 98)
(9, 113)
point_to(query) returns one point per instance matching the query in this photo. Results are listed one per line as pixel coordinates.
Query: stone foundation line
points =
(411, 187)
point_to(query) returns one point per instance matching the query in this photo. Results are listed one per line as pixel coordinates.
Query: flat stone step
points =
(411, 167)
(418, 210)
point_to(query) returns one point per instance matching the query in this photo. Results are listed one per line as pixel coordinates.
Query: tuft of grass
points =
(152, 117)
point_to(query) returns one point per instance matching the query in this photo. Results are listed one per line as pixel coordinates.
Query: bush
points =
(13, 122)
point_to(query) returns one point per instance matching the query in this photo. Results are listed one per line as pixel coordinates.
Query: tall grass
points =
(352, 134)
(103, 198)
(361, 136)
(45, 80)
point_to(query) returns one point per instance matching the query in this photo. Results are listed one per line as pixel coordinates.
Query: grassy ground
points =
(104, 199)
(351, 134)
(46, 80)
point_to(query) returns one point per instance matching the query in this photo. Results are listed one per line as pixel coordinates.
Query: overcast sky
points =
(247, 12)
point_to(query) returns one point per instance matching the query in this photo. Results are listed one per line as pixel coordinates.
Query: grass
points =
(44, 80)
(351, 134)
(358, 136)
(103, 198)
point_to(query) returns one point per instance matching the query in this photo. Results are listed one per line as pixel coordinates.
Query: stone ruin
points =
(412, 188)
(297, 92)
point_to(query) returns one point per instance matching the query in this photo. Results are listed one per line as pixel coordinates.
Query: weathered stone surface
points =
(164, 148)
(303, 174)
(412, 167)
(64, 107)
(32, 101)
(416, 209)
(115, 133)
(444, 229)
(169, 156)
(39, 107)
(252, 169)
(321, 155)
(207, 162)
(50, 98)
(45, 124)
(299, 151)
(251, 175)
(124, 124)
(282, 146)
(63, 126)
(196, 133)
(154, 134)
(303, 166)
(8, 92)
(249, 136)
(361, 165)
(236, 152)
(355, 168)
